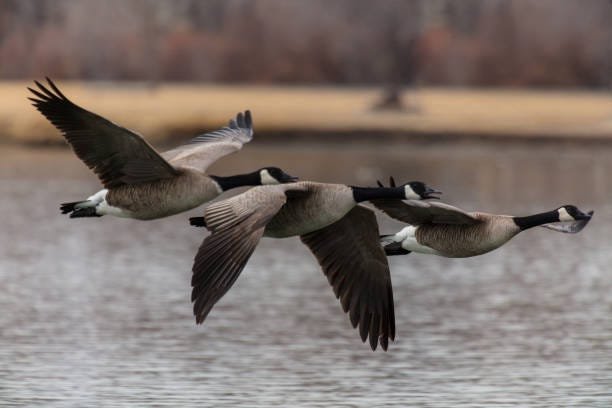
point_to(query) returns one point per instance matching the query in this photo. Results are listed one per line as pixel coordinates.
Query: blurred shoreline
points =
(169, 113)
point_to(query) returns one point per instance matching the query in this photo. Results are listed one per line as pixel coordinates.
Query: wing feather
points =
(356, 267)
(416, 212)
(203, 150)
(117, 155)
(237, 224)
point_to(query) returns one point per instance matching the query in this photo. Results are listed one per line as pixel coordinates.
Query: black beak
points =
(429, 193)
(288, 179)
(583, 216)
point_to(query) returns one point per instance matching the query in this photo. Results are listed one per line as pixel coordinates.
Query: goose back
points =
(317, 206)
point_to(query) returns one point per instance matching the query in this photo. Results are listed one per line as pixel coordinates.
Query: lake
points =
(96, 312)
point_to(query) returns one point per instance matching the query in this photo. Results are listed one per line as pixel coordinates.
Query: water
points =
(96, 312)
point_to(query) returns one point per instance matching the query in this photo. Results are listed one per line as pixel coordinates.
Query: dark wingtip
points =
(354, 318)
(379, 183)
(373, 342)
(364, 326)
(248, 119)
(392, 181)
(41, 96)
(240, 120)
(45, 90)
(47, 95)
(38, 84)
(56, 89)
(384, 342)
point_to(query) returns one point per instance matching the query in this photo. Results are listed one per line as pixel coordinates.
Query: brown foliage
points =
(472, 42)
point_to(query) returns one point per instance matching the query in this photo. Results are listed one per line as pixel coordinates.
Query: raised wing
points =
(356, 267)
(236, 224)
(203, 150)
(416, 212)
(117, 155)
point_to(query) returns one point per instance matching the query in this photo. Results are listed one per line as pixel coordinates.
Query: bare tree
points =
(397, 43)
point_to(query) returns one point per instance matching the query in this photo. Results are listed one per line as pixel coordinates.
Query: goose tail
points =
(84, 212)
(67, 208)
(78, 209)
(386, 239)
(392, 247)
(197, 221)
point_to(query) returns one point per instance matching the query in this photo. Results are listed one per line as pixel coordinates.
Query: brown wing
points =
(237, 224)
(203, 150)
(117, 155)
(356, 267)
(416, 212)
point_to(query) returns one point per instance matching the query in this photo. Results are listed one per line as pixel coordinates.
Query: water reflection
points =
(96, 312)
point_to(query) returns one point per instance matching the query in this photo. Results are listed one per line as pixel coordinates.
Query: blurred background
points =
(174, 68)
(436, 42)
(504, 105)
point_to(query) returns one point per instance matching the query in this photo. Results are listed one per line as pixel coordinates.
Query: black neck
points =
(371, 193)
(531, 221)
(239, 180)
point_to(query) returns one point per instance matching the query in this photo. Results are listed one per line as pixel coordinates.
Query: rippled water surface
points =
(96, 312)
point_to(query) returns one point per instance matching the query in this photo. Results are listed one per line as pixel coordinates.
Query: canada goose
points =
(139, 182)
(342, 235)
(440, 229)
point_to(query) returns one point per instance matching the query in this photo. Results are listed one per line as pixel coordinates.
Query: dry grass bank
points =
(166, 110)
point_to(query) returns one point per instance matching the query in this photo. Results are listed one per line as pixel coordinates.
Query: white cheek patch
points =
(410, 194)
(564, 215)
(266, 178)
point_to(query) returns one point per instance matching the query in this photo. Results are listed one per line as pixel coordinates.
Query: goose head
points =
(572, 213)
(414, 190)
(274, 175)
(417, 190)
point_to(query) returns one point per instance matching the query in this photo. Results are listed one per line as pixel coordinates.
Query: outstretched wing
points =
(117, 155)
(203, 150)
(236, 224)
(356, 267)
(416, 212)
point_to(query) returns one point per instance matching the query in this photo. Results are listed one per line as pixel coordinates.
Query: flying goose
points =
(342, 235)
(138, 181)
(440, 229)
